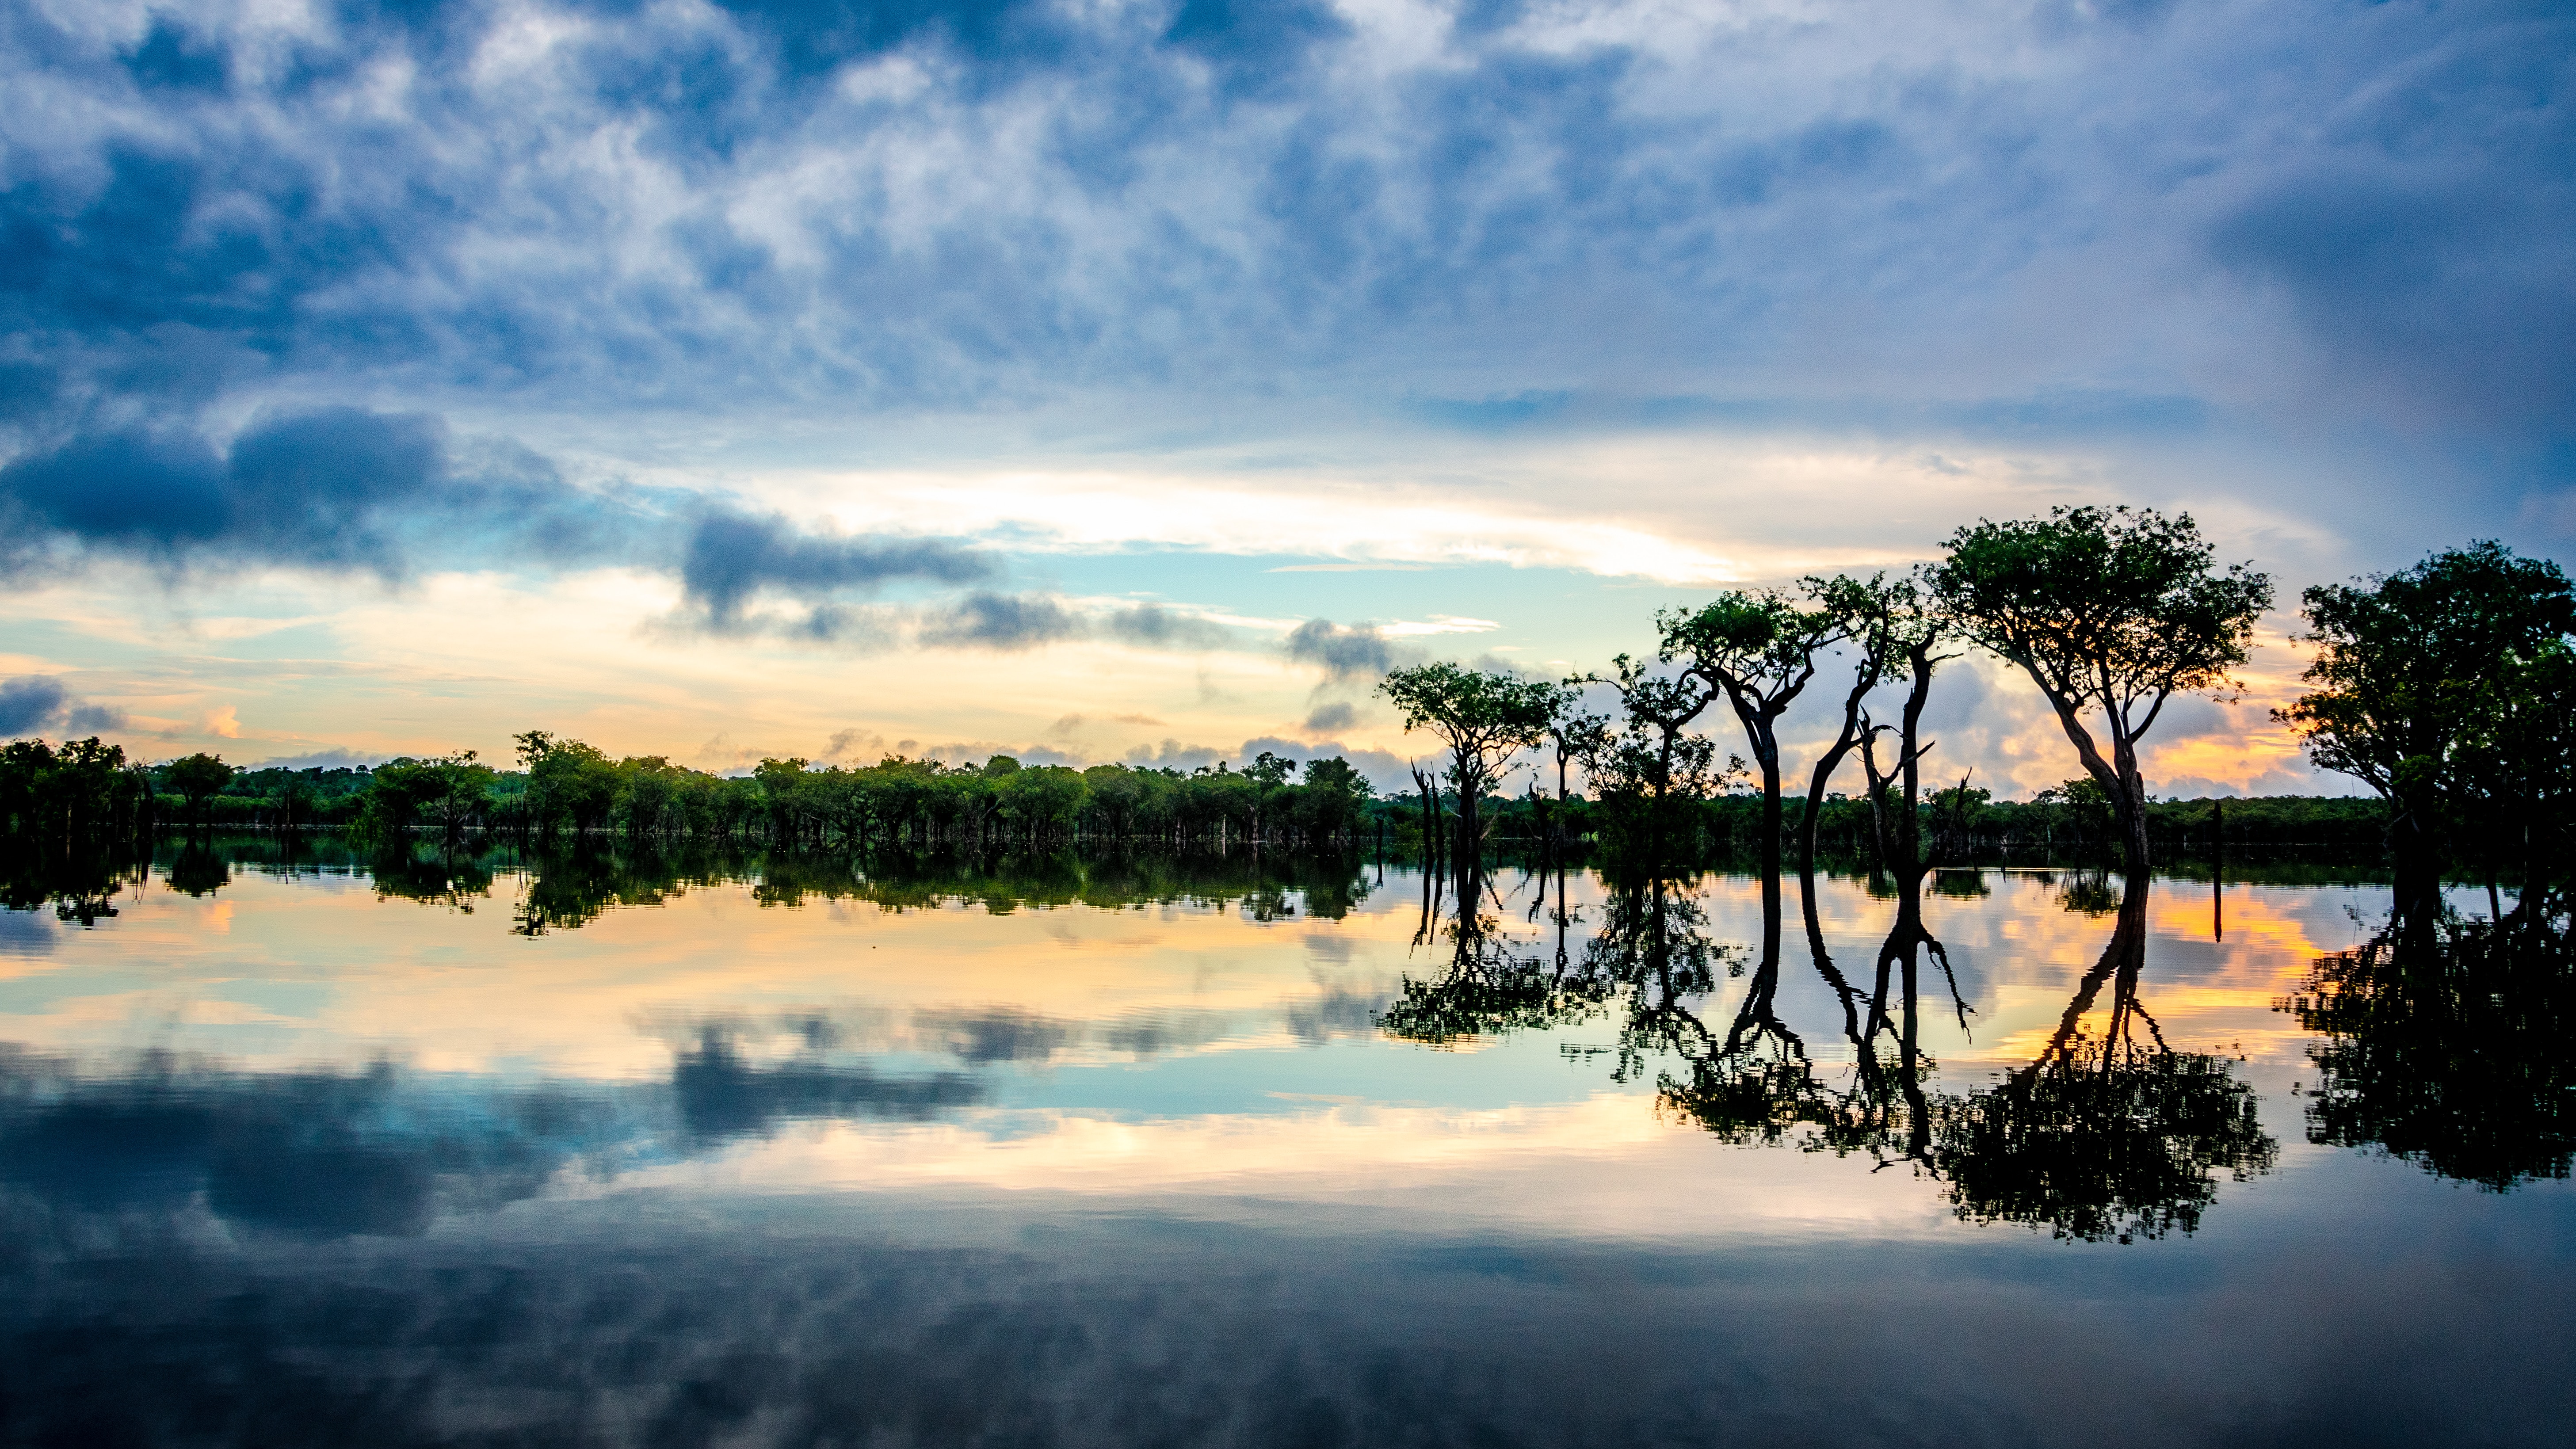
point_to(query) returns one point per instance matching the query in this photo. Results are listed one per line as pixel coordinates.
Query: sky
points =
(1096, 380)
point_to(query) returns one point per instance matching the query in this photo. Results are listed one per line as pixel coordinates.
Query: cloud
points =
(33, 703)
(1173, 755)
(1157, 627)
(1007, 622)
(1358, 651)
(976, 206)
(731, 557)
(1331, 718)
(847, 740)
(334, 489)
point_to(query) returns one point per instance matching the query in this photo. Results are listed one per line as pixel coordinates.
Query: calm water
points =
(739, 1152)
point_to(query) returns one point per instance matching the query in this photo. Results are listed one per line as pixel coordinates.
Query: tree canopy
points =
(2111, 612)
(2447, 689)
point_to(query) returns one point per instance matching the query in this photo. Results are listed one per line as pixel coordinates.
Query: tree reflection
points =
(2448, 1047)
(81, 885)
(444, 874)
(2106, 1135)
(2110, 1133)
(1490, 982)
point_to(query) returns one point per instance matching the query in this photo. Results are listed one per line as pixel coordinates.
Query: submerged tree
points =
(1484, 716)
(198, 779)
(1487, 984)
(1759, 650)
(1888, 625)
(1653, 764)
(2111, 612)
(2445, 688)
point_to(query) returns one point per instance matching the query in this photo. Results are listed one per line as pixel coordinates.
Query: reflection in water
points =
(385, 1152)
(747, 1236)
(2449, 1045)
(720, 1095)
(2108, 1135)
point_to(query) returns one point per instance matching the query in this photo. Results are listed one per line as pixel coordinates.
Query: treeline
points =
(566, 787)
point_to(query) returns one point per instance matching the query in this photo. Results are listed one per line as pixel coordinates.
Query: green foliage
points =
(2111, 612)
(197, 779)
(2450, 689)
(2087, 808)
(69, 794)
(1651, 770)
(1483, 716)
(449, 794)
(1758, 647)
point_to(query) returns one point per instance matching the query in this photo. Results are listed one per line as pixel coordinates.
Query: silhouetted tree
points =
(198, 779)
(1653, 764)
(2449, 1048)
(1883, 622)
(1759, 650)
(2111, 612)
(1484, 716)
(2440, 688)
(2104, 1135)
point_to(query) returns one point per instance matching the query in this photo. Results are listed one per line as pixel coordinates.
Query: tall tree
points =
(2111, 612)
(1653, 762)
(1484, 716)
(2415, 670)
(198, 779)
(1893, 632)
(1759, 650)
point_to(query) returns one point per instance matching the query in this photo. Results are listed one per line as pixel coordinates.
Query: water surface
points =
(617, 1148)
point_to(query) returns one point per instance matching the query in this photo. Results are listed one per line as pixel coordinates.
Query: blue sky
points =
(727, 379)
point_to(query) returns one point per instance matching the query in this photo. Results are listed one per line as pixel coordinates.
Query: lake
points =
(299, 1146)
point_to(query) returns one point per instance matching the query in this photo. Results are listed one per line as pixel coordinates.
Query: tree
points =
(459, 791)
(566, 778)
(1653, 762)
(1896, 634)
(2104, 1135)
(2414, 669)
(1484, 716)
(1759, 650)
(2111, 612)
(2086, 806)
(198, 778)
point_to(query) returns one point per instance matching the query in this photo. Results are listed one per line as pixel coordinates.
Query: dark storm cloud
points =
(2451, 288)
(731, 556)
(721, 1095)
(383, 1152)
(31, 702)
(1331, 719)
